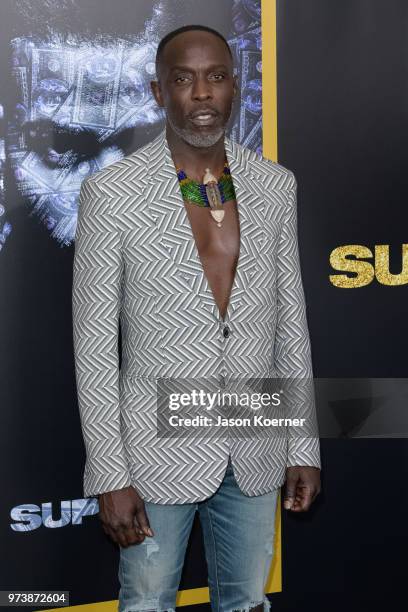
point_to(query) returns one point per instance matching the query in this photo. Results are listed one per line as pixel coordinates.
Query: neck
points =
(194, 160)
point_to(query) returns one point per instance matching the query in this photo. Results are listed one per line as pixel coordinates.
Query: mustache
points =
(203, 111)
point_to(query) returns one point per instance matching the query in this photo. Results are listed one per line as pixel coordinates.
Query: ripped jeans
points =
(238, 533)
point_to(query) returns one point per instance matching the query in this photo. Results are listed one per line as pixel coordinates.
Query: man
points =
(198, 295)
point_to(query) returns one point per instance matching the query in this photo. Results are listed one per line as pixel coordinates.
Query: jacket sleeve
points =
(292, 352)
(96, 304)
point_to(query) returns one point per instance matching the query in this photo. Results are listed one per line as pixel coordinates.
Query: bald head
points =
(160, 53)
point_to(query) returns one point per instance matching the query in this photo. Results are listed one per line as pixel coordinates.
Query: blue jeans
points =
(238, 533)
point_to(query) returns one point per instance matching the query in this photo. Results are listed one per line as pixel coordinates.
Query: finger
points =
(137, 527)
(112, 534)
(143, 521)
(290, 492)
(288, 502)
(127, 535)
(301, 501)
(133, 536)
(296, 507)
(128, 531)
(122, 538)
(116, 532)
(297, 501)
(305, 501)
(311, 491)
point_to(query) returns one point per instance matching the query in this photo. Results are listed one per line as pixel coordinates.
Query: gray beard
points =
(197, 140)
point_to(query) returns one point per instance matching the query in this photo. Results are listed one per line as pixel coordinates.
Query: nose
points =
(201, 89)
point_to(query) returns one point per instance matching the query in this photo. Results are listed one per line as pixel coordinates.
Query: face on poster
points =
(80, 103)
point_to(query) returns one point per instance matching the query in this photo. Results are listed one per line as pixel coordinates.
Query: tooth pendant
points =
(214, 197)
(218, 215)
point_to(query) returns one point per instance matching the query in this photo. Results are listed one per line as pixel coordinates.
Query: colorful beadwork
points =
(196, 192)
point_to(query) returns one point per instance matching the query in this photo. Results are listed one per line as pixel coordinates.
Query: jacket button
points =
(226, 331)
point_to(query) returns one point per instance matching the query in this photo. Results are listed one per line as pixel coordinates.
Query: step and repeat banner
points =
(323, 90)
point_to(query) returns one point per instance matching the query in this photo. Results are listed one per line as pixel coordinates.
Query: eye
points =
(58, 146)
(180, 79)
(219, 76)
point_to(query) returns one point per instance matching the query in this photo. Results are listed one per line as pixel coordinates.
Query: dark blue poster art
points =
(81, 100)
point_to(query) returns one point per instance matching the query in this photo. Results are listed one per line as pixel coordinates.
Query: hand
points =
(124, 517)
(302, 487)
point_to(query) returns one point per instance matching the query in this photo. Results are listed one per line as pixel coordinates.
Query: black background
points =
(342, 128)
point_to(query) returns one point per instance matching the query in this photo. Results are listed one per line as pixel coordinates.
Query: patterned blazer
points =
(136, 263)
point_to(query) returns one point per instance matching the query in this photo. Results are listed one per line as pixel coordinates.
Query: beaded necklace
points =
(210, 193)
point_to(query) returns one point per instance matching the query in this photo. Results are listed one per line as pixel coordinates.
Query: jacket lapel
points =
(166, 206)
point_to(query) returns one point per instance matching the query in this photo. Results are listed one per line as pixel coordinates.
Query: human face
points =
(196, 86)
(78, 106)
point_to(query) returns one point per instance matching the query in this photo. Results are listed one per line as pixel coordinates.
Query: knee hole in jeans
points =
(254, 606)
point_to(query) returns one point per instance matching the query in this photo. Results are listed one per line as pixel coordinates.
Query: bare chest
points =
(218, 249)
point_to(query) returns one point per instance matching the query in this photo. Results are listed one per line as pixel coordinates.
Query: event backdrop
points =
(75, 81)
(323, 91)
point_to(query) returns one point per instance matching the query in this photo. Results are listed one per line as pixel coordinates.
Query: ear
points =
(156, 90)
